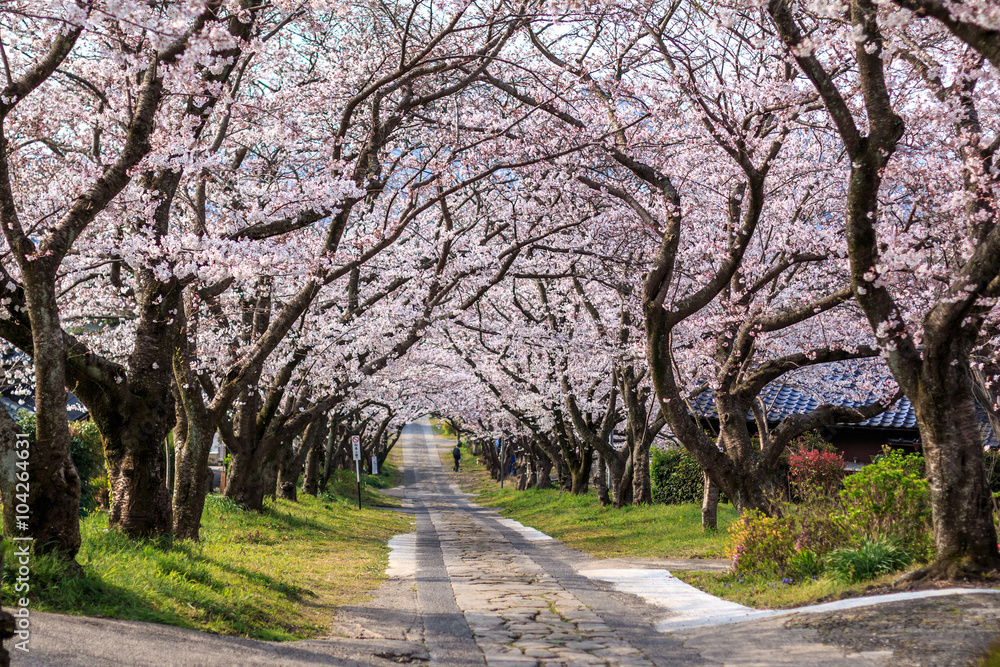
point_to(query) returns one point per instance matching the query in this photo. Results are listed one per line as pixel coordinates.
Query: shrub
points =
(872, 558)
(760, 544)
(815, 474)
(891, 498)
(676, 477)
(804, 564)
(821, 530)
(87, 453)
(991, 461)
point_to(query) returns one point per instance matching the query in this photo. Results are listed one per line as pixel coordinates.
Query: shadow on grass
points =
(289, 591)
(66, 591)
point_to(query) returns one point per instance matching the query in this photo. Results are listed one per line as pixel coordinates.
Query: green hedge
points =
(676, 477)
(87, 454)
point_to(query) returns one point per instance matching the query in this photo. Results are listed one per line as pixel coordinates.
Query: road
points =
(479, 591)
(489, 594)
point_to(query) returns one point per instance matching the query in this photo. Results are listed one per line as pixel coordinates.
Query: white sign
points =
(356, 444)
(374, 464)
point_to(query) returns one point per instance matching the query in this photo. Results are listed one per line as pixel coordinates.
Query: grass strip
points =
(775, 592)
(274, 575)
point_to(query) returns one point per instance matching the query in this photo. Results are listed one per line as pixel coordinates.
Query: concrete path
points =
(469, 588)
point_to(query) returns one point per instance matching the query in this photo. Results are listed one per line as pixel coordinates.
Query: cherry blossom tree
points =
(684, 164)
(915, 113)
(109, 71)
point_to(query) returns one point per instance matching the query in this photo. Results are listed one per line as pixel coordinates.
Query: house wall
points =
(861, 445)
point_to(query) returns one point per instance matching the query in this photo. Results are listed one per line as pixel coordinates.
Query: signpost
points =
(374, 464)
(356, 446)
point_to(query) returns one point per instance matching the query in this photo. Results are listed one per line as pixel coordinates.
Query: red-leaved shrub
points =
(814, 474)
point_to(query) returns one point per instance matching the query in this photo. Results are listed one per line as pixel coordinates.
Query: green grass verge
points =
(643, 531)
(344, 484)
(646, 531)
(274, 575)
(775, 592)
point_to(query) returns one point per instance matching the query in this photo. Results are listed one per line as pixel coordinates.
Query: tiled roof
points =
(782, 400)
(13, 403)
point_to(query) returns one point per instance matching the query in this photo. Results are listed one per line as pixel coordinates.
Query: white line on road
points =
(528, 533)
(403, 556)
(693, 608)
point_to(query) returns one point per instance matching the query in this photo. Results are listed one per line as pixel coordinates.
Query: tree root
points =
(956, 571)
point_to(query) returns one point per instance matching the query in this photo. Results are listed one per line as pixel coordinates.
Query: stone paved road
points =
(490, 596)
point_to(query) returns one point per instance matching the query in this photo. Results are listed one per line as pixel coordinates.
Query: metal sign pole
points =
(356, 446)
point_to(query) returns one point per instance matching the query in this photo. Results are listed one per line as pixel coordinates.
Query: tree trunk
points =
(288, 472)
(269, 478)
(563, 475)
(627, 480)
(964, 535)
(544, 478)
(310, 480)
(190, 488)
(247, 482)
(194, 431)
(306, 456)
(137, 463)
(751, 484)
(621, 481)
(253, 473)
(134, 423)
(54, 499)
(533, 460)
(578, 459)
(709, 504)
(491, 456)
(333, 442)
(171, 453)
(601, 481)
(642, 488)
(580, 473)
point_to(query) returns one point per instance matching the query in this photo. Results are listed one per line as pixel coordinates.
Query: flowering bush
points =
(761, 544)
(815, 474)
(891, 498)
(821, 530)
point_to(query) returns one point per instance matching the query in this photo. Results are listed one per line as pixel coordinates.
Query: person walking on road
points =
(457, 454)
